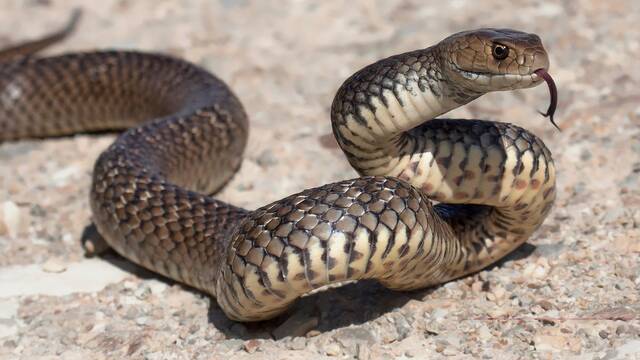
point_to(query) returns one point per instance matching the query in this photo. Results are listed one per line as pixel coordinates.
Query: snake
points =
(435, 199)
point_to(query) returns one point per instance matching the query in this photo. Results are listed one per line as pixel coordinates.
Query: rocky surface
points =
(573, 292)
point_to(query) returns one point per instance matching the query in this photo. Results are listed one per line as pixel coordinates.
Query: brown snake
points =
(494, 182)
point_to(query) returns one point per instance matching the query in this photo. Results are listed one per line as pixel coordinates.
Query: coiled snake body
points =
(494, 181)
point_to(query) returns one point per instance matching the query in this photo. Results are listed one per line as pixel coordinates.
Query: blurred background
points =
(285, 60)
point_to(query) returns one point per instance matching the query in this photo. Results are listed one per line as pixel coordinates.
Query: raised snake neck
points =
(187, 132)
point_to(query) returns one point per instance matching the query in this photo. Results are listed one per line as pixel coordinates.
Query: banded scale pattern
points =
(370, 227)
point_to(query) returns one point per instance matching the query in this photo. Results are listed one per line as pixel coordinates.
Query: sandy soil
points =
(572, 292)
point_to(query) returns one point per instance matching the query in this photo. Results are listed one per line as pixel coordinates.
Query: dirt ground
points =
(572, 292)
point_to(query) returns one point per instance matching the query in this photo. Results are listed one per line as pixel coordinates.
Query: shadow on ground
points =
(334, 308)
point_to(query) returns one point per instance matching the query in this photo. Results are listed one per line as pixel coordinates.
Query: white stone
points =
(54, 265)
(10, 216)
(157, 287)
(332, 349)
(89, 275)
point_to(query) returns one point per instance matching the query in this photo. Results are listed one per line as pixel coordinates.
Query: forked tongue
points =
(553, 91)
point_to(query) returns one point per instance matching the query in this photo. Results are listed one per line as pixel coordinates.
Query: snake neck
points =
(375, 109)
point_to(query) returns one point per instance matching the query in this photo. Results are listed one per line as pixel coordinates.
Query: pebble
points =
(157, 287)
(332, 349)
(142, 292)
(411, 353)
(11, 219)
(54, 265)
(266, 158)
(313, 333)
(546, 304)
(251, 346)
(298, 343)
(449, 352)
(143, 320)
(358, 334)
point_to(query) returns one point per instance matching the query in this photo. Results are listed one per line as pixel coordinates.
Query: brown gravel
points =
(573, 292)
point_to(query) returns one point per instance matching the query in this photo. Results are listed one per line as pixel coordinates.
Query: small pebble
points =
(143, 320)
(11, 219)
(251, 346)
(298, 343)
(54, 265)
(332, 349)
(449, 352)
(546, 304)
(267, 159)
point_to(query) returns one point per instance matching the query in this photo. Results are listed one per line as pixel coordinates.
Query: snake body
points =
(494, 182)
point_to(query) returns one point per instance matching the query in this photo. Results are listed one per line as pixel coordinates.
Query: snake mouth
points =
(553, 92)
(508, 81)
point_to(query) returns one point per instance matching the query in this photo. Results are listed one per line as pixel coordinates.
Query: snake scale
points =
(437, 198)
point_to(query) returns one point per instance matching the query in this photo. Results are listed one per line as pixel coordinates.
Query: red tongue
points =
(553, 92)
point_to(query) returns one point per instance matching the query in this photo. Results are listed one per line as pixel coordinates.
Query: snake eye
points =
(500, 52)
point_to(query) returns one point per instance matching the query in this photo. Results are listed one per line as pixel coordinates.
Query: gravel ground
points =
(572, 292)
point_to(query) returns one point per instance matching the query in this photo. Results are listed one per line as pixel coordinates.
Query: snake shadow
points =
(334, 308)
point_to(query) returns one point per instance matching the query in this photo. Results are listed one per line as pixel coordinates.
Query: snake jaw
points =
(484, 82)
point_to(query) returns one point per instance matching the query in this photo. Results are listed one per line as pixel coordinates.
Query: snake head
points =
(487, 60)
